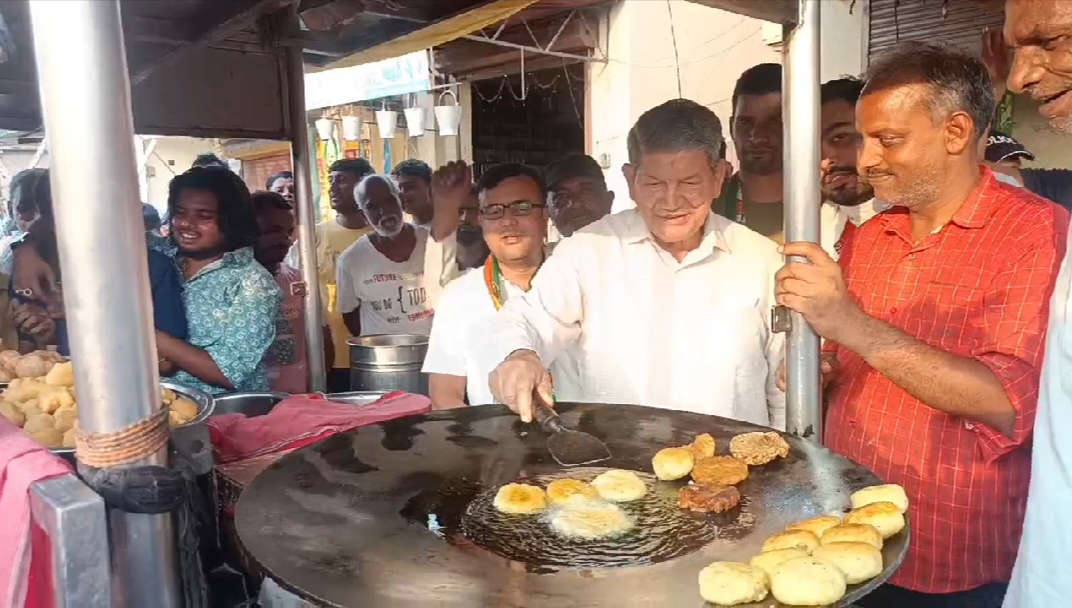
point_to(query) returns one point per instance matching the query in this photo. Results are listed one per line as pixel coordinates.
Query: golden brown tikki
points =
(816, 525)
(732, 583)
(617, 485)
(859, 562)
(708, 499)
(520, 499)
(703, 446)
(759, 448)
(886, 517)
(670, 464)
(720, 471)
(853, 533)
(566, 491)
(807, 581)
(793, 539)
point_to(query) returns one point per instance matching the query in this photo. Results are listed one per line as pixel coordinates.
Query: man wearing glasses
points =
(666, 305)
(513, 218)
(577, 193)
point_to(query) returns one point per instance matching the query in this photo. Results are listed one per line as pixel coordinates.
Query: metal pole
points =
(85, 99)
(306, 214)
(800, 104)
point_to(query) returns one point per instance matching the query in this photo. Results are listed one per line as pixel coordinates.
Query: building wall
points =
(713, 48)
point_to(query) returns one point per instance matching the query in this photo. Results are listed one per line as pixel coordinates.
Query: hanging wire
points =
(673, 39)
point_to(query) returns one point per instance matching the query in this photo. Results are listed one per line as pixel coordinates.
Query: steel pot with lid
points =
(388, 363)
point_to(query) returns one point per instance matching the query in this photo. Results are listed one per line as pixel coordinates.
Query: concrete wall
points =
(713, 48)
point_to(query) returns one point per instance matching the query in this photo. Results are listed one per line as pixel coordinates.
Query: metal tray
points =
(373, 517)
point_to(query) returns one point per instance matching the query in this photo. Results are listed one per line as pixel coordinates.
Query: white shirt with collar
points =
(649, 330)
(462, 317)
(834, 217)
(1041, 576)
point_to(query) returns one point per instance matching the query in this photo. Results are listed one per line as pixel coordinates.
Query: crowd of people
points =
(931, 288)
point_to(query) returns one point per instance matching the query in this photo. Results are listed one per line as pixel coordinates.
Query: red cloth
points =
(979, 288)
(23, 461)
(301, 420)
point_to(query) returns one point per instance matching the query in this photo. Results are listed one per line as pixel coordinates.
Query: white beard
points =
(381, 230)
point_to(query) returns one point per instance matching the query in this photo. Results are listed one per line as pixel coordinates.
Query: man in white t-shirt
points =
(847, 196)
(388, 281)
(513, 218)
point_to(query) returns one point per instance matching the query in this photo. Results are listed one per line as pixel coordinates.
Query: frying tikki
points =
(703, 446)
(670, 464)
(618, 485)
(759, 448)
(708, 499)
(520, 499)
(720, 471)
(591, 520)
(568, 491)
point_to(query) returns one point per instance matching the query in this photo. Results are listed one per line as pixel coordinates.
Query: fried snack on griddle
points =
(590, 520)
(520, 499)
(859, 562)
(889, 492)
(720, 471)
(807, 581)
(768, 561)
(816, 525)
(759, 448)
(732, 583)
(617, 485)
(853, 533)
(703, 446)
(886, 517)
(672, 463)
(793, 539)
(708, 499)
(564, 491)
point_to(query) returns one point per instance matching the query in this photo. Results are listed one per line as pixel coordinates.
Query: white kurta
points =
(1042, 577)
(649, 330)
(833, 218)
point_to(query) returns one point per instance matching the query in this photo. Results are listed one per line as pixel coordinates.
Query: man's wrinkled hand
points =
(520, 379)
(828, 367)
(816, 289)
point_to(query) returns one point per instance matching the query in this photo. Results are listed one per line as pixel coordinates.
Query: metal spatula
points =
(568, 447)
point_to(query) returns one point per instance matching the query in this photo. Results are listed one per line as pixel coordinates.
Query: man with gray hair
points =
(643, 295)
(388, 281)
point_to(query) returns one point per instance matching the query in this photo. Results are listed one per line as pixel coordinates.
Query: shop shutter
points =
(957, 22)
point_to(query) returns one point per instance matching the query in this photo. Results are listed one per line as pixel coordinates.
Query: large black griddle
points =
(373, 518)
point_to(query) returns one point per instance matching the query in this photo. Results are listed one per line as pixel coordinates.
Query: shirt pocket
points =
(949, 314)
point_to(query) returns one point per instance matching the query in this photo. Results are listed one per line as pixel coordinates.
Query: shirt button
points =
(911, 256)
(893, 310)
(969, 426)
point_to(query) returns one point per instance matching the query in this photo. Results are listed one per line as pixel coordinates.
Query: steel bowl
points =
(205, 404)
(250, 404)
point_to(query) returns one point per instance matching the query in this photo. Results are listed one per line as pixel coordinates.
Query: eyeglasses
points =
(517, 209)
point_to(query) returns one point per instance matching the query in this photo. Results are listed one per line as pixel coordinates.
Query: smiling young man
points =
(231, 300)
(936, 316)
(513, 218)
(1040, 34)
(389, 280)
(666, 305)
(414, 179)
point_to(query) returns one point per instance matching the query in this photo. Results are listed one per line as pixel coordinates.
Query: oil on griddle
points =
(661, 530)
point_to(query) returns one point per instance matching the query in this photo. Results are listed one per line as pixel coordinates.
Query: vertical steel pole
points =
(306, 214)
(802, 200)
(85, 98)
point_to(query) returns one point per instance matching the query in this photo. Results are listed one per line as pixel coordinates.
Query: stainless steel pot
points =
(388, 363)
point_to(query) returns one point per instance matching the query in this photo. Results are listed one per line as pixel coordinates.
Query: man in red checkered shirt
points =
(937, 316)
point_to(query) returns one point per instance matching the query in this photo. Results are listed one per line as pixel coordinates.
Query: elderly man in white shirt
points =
(668, 304)
(847, 197)
(513, 218)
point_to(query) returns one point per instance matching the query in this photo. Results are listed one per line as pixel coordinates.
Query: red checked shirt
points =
(979, 287)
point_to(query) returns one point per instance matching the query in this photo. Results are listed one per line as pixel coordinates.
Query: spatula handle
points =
(545, 415)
